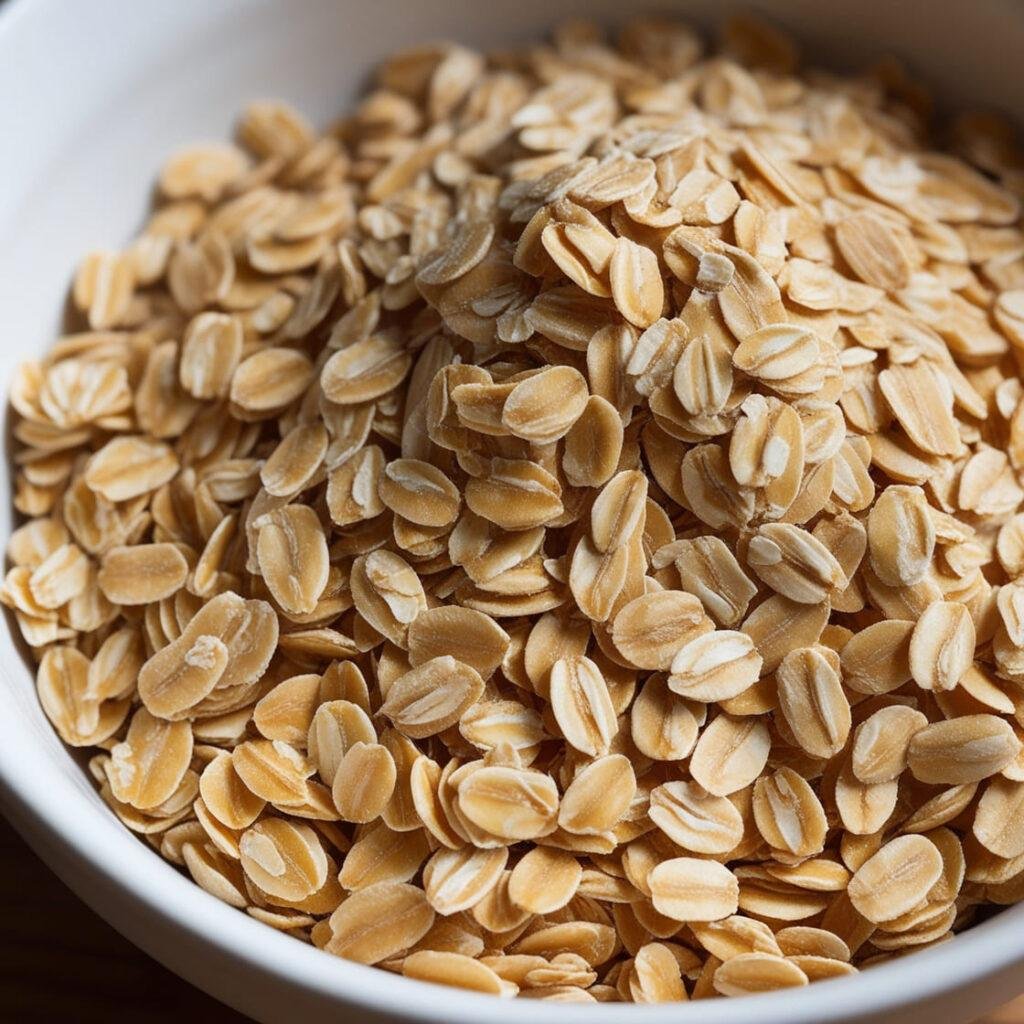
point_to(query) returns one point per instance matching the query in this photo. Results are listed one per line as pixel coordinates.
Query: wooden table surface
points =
(60, 963)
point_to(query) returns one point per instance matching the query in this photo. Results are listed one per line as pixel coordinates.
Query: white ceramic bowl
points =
(93, 95)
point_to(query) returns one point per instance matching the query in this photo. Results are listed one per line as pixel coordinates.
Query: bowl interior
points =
(95, 96)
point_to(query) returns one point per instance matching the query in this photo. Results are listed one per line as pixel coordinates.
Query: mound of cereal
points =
(557, 532)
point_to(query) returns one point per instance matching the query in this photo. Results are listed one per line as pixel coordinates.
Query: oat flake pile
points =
(557, 532)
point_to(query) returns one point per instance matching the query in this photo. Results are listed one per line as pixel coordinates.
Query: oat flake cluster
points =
(557, 532)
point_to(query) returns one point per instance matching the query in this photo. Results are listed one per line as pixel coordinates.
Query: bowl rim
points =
(37, 797)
